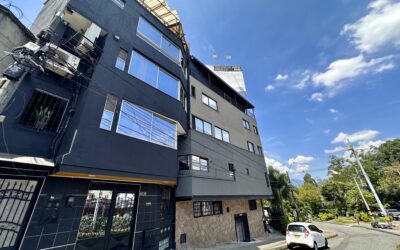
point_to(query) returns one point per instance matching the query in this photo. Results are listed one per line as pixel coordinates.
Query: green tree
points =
(308, 179)
(354, 200)
(389, 186)
(310, 197)
(334, 192)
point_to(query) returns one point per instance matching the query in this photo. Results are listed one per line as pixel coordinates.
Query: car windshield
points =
(296, 228)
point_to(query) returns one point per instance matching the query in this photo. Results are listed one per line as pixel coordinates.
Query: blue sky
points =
(318, 72)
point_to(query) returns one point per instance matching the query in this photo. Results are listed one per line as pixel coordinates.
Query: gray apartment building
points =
(222, 176)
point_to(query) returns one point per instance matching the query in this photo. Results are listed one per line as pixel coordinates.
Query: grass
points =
(344, 220)
(398, 247)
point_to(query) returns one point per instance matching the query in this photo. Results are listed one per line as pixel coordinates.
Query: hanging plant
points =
(42, 117)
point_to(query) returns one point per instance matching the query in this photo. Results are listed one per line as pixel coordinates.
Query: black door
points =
(108, 218)
(242, 227)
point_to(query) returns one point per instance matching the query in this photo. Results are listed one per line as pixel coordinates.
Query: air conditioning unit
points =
(63, 58)
(87, 42)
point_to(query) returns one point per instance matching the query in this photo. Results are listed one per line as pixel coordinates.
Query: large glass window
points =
(202, 126)
(199, 163)
(145, 70)
(221, 134)
(150, 34)
(145, 125)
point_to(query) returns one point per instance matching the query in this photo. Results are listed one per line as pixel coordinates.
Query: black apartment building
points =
(88, 151)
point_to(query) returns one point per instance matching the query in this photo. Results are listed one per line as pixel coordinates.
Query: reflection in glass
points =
(94, 219)
(123, 213)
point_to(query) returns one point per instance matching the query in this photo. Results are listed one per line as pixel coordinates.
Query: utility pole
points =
(367, 179)
(362, 195)
(292, 194)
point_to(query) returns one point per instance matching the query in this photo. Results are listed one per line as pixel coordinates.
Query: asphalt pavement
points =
(355, 238)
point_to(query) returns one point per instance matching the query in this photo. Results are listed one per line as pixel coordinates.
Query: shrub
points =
(365, 217)
(398, 247)
(326, 216)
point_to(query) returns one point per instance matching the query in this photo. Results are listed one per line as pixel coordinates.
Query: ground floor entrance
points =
(109, 215)
(242, 227)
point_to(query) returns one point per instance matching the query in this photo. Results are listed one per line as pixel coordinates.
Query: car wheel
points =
(290, 247)
(315, 246)
(326, 244)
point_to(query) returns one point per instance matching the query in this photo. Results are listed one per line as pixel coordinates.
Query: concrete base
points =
(211, 230)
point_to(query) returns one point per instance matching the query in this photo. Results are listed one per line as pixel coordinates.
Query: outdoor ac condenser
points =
(87, 42)
(62, 62)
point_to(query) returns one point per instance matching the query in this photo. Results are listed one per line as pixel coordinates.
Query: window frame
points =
(211, 204)
(109, 98)
(155, 45)
(193, 91)
(246, 124)
(260, 150)
(153, 114)
(118, 57)
(159, 68)
(222, 134)
(204, 96)
(252, 146)
(200, 163)
(203, 122)
(232, 171)
(255, 129)
(252, 205)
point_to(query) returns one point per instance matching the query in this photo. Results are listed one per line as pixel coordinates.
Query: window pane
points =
(204, 99)
(170, 48)
(94, 219)
(204, 165)
(163, 132)
(199, 125)
(197, 209)
(123, 213)
(225, 136)
(212, 104)
(218, 133)
(168, 84)
(250, 146)
(106, 120)
(143, 69)
(121, 59)
(207, 128)
(195, 162)
(149, 31)
(134, 121)
(207, 208)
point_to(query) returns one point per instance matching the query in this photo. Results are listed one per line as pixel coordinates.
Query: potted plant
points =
(42, 117)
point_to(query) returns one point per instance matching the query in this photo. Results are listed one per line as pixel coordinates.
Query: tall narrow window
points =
(108, 112)
(266, 179)
(252, 205)
(121, 59)
(193, 91)
(255, 130)
(246, 124)
(154, 37)
(202, 126)
(259, 149)
(145, 125)
(231, 170)
(247, 171)
(145, 70)
(250, 146)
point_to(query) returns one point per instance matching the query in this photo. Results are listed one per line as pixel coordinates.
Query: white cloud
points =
(280, 77)
(349, 68)
(318, 97)
(270, 162)
(378, 29)
(306, 76)
(335, 150)
(365, 147)
(333, 111)
(300, 160)
(363, 135)
(269, 87)
(385, 67)
(327, 131)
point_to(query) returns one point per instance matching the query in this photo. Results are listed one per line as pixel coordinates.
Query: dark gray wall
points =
(89, 149)
(216, 183)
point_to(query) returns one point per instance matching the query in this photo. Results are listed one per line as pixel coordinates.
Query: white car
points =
(305, 234)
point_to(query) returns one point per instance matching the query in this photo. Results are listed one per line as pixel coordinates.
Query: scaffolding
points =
(169, 18)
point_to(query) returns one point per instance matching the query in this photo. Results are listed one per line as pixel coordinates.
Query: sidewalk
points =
(280, 245)
(394, 231)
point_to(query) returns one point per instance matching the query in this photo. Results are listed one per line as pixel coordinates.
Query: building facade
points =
(88, 156)
(222, 176)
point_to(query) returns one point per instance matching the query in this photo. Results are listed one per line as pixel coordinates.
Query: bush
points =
(398, 247)
(365, 217)
(326, 216)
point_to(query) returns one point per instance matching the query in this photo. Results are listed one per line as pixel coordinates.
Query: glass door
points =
(108, 219)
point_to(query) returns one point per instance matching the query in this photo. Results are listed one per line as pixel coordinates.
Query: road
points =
(354, 238)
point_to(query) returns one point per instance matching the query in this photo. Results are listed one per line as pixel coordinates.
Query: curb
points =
(378, 230)
(283, 245)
